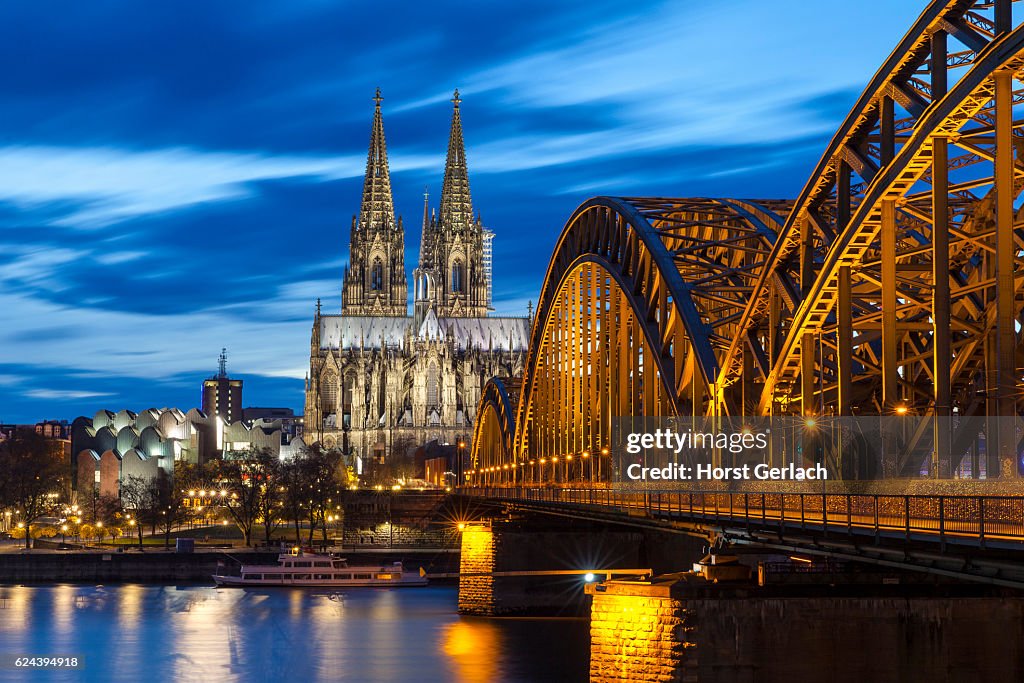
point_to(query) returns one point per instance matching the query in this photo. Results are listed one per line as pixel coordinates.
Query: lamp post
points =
(459, 465)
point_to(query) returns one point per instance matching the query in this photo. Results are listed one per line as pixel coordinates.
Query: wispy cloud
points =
(109, 184)
(64, 395)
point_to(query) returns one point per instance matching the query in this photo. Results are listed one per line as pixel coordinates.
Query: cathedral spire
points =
(456, 204)
(426, 220)
(378, 208)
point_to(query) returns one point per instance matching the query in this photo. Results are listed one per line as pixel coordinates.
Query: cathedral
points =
(382, 382)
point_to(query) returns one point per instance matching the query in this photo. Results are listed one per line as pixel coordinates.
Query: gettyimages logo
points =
(733, 442)
(697, 450)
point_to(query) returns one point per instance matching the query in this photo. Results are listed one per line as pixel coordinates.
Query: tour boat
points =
(296, 569)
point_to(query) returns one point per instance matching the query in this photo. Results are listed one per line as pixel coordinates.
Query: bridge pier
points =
(640, 631)
(502, 566)
(476, 566)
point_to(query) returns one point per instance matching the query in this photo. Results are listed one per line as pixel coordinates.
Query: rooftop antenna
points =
(222, 363)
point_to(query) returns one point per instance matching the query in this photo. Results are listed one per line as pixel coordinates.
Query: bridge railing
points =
(956, 519)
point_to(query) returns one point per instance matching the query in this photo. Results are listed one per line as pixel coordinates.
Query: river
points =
(133, 633)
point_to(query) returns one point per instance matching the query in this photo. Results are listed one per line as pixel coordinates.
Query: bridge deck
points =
(972, 520)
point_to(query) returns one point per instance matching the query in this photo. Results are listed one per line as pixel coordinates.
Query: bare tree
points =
(31, 476)
(291, 479)
(246, 480)
(169, 492)
(138, 496)
(324, 476)
(271, 498)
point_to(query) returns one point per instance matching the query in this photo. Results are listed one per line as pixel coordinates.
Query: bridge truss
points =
(893, 284)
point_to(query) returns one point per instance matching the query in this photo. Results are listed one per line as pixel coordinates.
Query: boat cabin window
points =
(343, 576)
(287, 564)
(302, 577)
(323, 577)
(384, 577)
(286, 577)
(302, 564)
(321, 564)
(254, 577)
(362, 576)
(339, 564)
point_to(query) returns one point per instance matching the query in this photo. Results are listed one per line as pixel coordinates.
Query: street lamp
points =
(63, 533)
(459, 454)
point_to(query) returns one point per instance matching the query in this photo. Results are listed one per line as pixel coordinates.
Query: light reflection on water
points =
(137, 633)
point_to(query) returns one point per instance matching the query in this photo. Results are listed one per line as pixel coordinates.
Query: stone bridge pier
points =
(516, 568)
(524, 566)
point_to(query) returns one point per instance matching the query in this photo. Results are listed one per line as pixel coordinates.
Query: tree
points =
(169, 493)
(139, 495)
(246, 480)
(291, 478)
(32, 473)
(403, 461)
(270, 502)
(322, 476)
(108, 511)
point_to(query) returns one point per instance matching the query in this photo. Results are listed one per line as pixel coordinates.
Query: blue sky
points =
(178, 177)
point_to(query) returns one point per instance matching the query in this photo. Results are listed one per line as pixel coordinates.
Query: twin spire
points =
(378, 206)
(456, 204)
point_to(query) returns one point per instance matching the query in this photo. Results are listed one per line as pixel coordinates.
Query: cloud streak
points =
(108, 185)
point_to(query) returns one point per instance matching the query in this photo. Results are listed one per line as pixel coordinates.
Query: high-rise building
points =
(222, 395)
(382, 381)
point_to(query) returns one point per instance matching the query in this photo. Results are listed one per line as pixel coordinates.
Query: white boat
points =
(297, 570)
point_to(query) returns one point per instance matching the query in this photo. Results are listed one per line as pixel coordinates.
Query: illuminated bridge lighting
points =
(891, 280)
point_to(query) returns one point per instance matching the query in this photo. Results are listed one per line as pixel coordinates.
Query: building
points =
(108, 446)
(56, 431)
(222, 395)
(291, 424)
(49, 429)
(381, 381)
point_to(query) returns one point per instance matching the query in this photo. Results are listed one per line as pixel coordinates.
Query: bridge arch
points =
(634, 312)
(494, 433)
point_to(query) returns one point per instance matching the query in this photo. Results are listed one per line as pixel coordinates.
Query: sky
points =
(180, 177)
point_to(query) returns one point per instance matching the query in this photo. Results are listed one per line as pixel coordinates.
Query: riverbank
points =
(161, 566)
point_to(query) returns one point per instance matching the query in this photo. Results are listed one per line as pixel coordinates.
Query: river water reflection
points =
(137, 633)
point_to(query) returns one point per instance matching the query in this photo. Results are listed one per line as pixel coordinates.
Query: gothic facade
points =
(382, 381)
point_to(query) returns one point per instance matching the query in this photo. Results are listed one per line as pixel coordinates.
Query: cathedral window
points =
(377, 275)
(433, 385)
(348, 389)
(329, 393)
(458, 276)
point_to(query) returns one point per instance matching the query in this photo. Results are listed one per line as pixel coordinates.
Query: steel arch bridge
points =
(893, 283)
